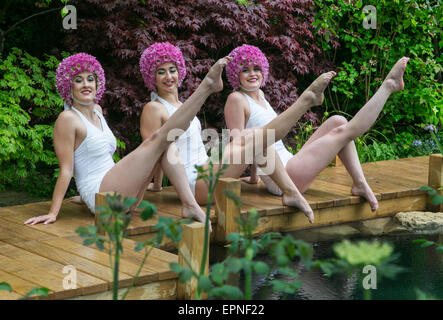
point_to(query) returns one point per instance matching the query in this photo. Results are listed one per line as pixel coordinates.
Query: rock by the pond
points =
(416, 222)
(421, 222)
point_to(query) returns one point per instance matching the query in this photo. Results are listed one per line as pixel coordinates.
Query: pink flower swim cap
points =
(156, 55)
(245, 56)
(74, 65)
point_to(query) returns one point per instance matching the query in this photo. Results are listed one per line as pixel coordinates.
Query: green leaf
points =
(261, 268)
(38, 291)
(234, 265)
(129, 202)
(5, 286)
(437, 200)
(419, 241)
(185, 275)
(177, 268)
(149, 210)
(229, 292)
(88, 242)
(139, 246)
(427, 244)
(204, 283)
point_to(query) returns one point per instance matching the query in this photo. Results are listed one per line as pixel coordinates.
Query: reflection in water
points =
(425, 272)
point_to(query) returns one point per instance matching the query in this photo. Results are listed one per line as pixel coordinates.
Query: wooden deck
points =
(35, 256)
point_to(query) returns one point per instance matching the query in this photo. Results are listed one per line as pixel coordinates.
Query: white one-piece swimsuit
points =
(260, 117)
(190, 145)
(93, 159)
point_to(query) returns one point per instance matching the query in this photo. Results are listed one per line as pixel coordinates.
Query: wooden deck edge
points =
(159, 290)
(336, 215)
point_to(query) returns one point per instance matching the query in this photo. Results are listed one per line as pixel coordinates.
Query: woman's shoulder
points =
(67, 116)
(98, 108)
(236, 98)
(154, 108)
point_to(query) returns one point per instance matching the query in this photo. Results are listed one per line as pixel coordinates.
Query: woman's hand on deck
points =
(76, 199)
(46, 219)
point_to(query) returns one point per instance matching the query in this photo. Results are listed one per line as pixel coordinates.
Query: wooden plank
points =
(146, 275)
(435, 179)
(24, 232)
(226, 209)
(92, 268)
(191, 248)
(6, 295)
(18, 285)
(337, 215)
(65, 224)
(161, 290)
(39, 276)
(86, 283)
(161, 265)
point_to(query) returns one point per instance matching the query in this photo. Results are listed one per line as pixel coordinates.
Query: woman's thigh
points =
(129, 175)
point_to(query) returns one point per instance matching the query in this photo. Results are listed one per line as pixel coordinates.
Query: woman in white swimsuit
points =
(84, 144)
(163, 70)
(247, 107)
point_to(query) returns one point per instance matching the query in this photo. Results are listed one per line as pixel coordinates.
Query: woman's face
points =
(166, 77)
(84, 87)
(251, 77)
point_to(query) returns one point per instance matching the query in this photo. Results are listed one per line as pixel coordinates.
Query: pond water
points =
(424, 272)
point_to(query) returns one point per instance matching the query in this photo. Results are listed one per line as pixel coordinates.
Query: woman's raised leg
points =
(348, 155)
(316, 155)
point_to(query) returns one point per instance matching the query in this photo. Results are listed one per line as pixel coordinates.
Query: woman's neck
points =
(86, 110)
(253, 94)
(171, 97)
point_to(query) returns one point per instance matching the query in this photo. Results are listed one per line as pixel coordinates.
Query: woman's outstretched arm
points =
(64, 140)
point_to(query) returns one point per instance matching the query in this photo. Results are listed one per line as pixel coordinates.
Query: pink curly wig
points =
(245, 56)
(74, 65)
(156, 55)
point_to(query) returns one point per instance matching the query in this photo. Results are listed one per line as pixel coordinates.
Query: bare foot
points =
(195, 213)
(314, 93)
(298, 201)
(154, 188)
(394, 79)
(213, 79)
(365, 191)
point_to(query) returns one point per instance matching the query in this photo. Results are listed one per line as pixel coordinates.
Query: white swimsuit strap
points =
(87, 122)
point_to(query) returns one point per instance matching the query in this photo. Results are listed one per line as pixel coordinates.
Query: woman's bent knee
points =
(338, 120)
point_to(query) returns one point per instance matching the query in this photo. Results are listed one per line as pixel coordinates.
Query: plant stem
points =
(367, 294)
(147, 252)
(116, 267)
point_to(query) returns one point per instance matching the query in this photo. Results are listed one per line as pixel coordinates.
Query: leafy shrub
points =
(28, 106)
(364, 57)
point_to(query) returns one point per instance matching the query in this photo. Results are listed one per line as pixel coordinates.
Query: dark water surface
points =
(424, 272)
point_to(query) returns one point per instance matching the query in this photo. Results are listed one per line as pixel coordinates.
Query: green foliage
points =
(5, 286)
(426, 243)
(363, 253)
(364, 56)
(28, 101)
(353, 257)
(38, 291)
